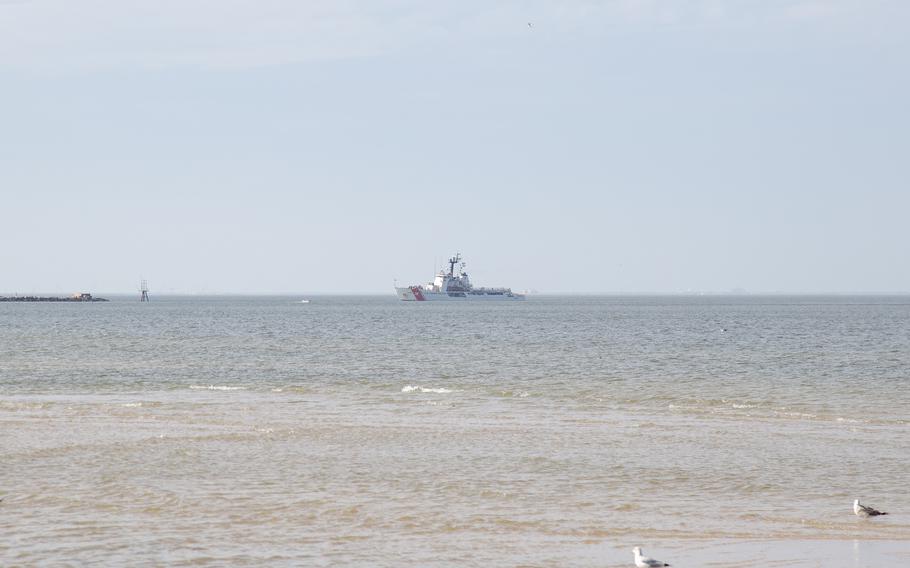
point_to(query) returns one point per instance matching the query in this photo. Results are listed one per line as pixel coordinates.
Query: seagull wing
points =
(872, 512)
(868, 511)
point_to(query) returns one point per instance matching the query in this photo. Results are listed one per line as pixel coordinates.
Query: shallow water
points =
(367, 431)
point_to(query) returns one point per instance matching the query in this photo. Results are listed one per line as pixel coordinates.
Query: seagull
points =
(529, 25)
(864, 511)
(646, 561)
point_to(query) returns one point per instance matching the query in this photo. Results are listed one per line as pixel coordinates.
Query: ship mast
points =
(452, 262)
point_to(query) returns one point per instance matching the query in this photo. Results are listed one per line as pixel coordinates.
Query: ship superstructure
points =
(453, 285)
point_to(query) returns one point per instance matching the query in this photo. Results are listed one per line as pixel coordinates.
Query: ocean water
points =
(364, 431)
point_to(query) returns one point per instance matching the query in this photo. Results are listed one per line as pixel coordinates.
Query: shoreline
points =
(84, 297)
(790, 553)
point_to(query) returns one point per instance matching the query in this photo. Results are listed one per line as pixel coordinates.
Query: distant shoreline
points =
(84, 297)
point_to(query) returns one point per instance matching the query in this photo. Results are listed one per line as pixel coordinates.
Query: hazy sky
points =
(290, 146)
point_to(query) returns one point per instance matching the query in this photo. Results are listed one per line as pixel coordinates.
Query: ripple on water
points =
(344, 441)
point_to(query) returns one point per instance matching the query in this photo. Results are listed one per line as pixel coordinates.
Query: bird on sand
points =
(864, 511)
(646, 561)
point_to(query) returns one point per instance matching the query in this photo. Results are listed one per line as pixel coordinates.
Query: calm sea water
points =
(371, 432)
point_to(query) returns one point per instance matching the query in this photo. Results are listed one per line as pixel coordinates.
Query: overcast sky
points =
(618, 146)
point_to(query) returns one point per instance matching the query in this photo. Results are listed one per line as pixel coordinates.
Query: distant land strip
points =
(83, 297)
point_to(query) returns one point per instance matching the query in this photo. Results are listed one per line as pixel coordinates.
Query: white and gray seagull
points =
(646, 561)
(864, 511)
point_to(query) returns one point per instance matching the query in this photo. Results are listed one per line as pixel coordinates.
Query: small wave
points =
(297, 389)
(215, 387)
(16, 406)
(418, 388)
(513, 394)
(132, 404)
(804, 415)
(744, 405)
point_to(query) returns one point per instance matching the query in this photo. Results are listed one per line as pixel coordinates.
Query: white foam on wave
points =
(802, 415)
(215, 388)
(132, 404)
(418, 388)
(744, 405)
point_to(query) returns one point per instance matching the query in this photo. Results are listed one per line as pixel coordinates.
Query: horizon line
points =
(554, 293)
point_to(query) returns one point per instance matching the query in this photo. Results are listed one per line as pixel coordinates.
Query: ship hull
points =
(418, 294)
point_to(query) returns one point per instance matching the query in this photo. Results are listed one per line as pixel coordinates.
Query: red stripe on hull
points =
(418, 295)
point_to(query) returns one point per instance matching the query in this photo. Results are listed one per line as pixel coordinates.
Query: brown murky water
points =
(362, 431)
